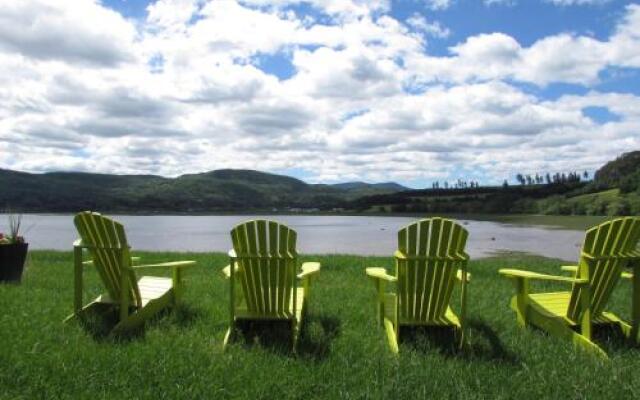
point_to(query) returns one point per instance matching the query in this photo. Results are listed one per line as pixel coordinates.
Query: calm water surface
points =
(361, 235)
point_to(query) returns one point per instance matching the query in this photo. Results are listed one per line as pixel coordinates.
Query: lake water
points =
(363, 235)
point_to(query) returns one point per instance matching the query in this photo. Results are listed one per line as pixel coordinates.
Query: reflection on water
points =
(316, 234)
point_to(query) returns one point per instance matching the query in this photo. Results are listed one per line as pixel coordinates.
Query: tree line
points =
(571, 177)
(459, 184)
(522, 179)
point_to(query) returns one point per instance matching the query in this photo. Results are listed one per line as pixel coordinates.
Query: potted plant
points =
(13, 251)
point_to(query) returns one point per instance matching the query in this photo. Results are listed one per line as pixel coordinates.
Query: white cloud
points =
(434, 29)
(172, 14)
(52, 30)
(490, 3)
(439, 4)
(97, 105)
(577, 2)
(486, 56)
(350, 74)
(342, 9)
(559, 58)
(563, 58)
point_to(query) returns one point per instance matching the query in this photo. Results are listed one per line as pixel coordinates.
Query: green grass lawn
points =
(342, 353)
(605, 194)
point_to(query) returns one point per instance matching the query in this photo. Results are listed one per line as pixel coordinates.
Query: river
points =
(362, 235)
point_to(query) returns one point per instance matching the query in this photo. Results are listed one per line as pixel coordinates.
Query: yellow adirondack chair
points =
(608, 249)
(264, 261)
(429, 260)
(105, 241)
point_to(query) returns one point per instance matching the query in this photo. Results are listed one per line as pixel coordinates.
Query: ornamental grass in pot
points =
(13, 251)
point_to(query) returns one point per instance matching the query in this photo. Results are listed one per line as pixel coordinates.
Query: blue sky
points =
(525, 20)
(412, 91)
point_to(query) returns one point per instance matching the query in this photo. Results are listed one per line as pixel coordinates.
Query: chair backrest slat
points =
(432, 249)
(266, 253)
(109, 249)
(604, 257)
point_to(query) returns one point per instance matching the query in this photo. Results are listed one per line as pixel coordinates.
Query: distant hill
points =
(622, 173)
(220, 190)
(614, 191)
(516, 199)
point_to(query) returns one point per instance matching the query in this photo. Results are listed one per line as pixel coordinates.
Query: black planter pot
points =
(12, 258)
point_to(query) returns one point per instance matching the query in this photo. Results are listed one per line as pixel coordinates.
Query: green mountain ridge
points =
(219, 190)
(615, 190)
(623, 173)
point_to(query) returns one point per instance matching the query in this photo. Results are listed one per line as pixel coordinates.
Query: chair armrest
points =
(459, 276)
(89, 263)
(569, 268)
(460, 256)
(380, 273)
(574, 268)
(516, 273)
(399, 254)
(308, 269)
(172, 264)
(227, 270)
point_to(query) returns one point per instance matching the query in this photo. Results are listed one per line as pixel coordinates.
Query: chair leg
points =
(626, 328)
(587, 345)
(635, 308)
(392, 335)
(177, 285)
(521, 311)
(79, 313)
(295, 330)
(70, 318)
(228, 337)
(462, 336)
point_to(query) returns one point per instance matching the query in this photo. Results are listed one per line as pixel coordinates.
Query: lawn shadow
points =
(100, 320)
(486, 344)
(183, 315)
(483, 343)
(314, 342)
(318, 332)
(609, 337)
(612, 339)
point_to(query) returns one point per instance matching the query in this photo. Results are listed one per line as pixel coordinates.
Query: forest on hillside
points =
(614, 190)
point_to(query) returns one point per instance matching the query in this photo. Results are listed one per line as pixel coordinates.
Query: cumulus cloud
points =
(566, 58)
(51, 30)
(434, 29)
(490, 3)
(577, 2)
(438, 4)
(83, 88)
(340, 9)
